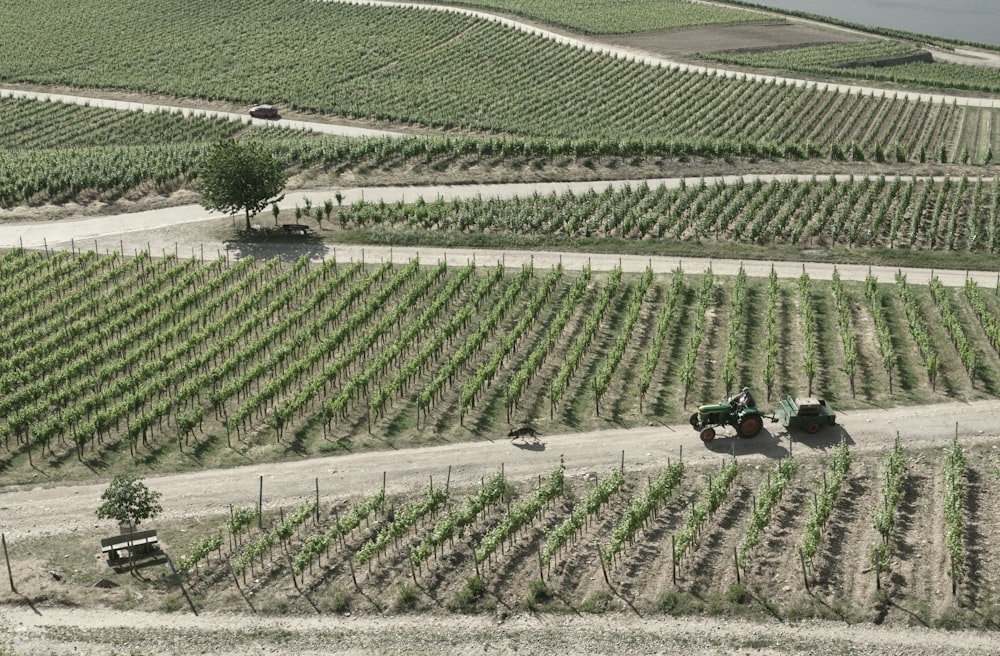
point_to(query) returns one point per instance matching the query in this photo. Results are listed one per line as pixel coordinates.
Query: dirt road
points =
(155, 231)
(34, 511)
(81, 632)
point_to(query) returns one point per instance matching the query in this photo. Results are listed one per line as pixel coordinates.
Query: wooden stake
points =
(673, 556)
(350, 561)
(600, 557)
(805, 578)
(736, 559)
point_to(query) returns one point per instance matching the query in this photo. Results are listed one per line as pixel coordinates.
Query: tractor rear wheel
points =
(707, 434)
(750, 425)
(813, 427)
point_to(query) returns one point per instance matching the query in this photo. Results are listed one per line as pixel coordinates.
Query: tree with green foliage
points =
(127, 500)
(239, 176)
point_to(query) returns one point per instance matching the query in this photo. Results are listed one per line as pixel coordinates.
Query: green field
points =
(950, 215)
(847, 60)
(40, 125)
(625, 17)
(436, 71)
(439, 71)
(129, 363)
(109, 361)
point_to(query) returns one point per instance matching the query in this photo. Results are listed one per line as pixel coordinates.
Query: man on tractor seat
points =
(743, 400)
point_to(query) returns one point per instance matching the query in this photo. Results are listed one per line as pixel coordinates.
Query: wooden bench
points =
(140, 543)
(296, 228)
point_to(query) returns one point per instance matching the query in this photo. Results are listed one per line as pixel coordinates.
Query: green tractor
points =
(740, 412)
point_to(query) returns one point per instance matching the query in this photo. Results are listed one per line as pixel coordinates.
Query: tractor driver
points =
(744, 399)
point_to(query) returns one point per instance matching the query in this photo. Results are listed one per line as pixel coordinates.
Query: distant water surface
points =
(967, 20)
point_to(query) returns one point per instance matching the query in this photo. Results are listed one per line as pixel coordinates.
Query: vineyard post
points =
(413, 572)
(316, 514)
(736, 560)
(260, 504)
(623, 460)
(600, 557)
(231, 541)
(350, 562)
(805, 577)
(541, 571)
(447, 482)
(340, 532)
(10, 575)
(673, 557)
(45, 244)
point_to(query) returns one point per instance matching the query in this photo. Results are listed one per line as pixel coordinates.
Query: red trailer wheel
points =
(813, 427)
(707, 434)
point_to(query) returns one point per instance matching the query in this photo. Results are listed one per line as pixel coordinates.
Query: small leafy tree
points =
(240, 176)
(128, 501)
(328, 208)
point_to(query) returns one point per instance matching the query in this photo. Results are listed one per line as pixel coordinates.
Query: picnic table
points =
(296, 228)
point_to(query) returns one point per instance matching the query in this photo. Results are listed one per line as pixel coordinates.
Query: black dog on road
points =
(522, 432)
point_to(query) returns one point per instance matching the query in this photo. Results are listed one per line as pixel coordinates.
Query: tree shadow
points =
(268, 244)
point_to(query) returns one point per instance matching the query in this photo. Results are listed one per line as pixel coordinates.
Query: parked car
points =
(264, 111)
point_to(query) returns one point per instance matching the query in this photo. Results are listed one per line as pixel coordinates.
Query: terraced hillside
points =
(128, 362)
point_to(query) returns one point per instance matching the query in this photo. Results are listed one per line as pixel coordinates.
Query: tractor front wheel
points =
(707, 434)
(694, 421)
(750, 425)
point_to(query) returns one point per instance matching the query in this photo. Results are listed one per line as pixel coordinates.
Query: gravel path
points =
(81, 631)
(125, 105)
(153, 230)
(42, 510)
